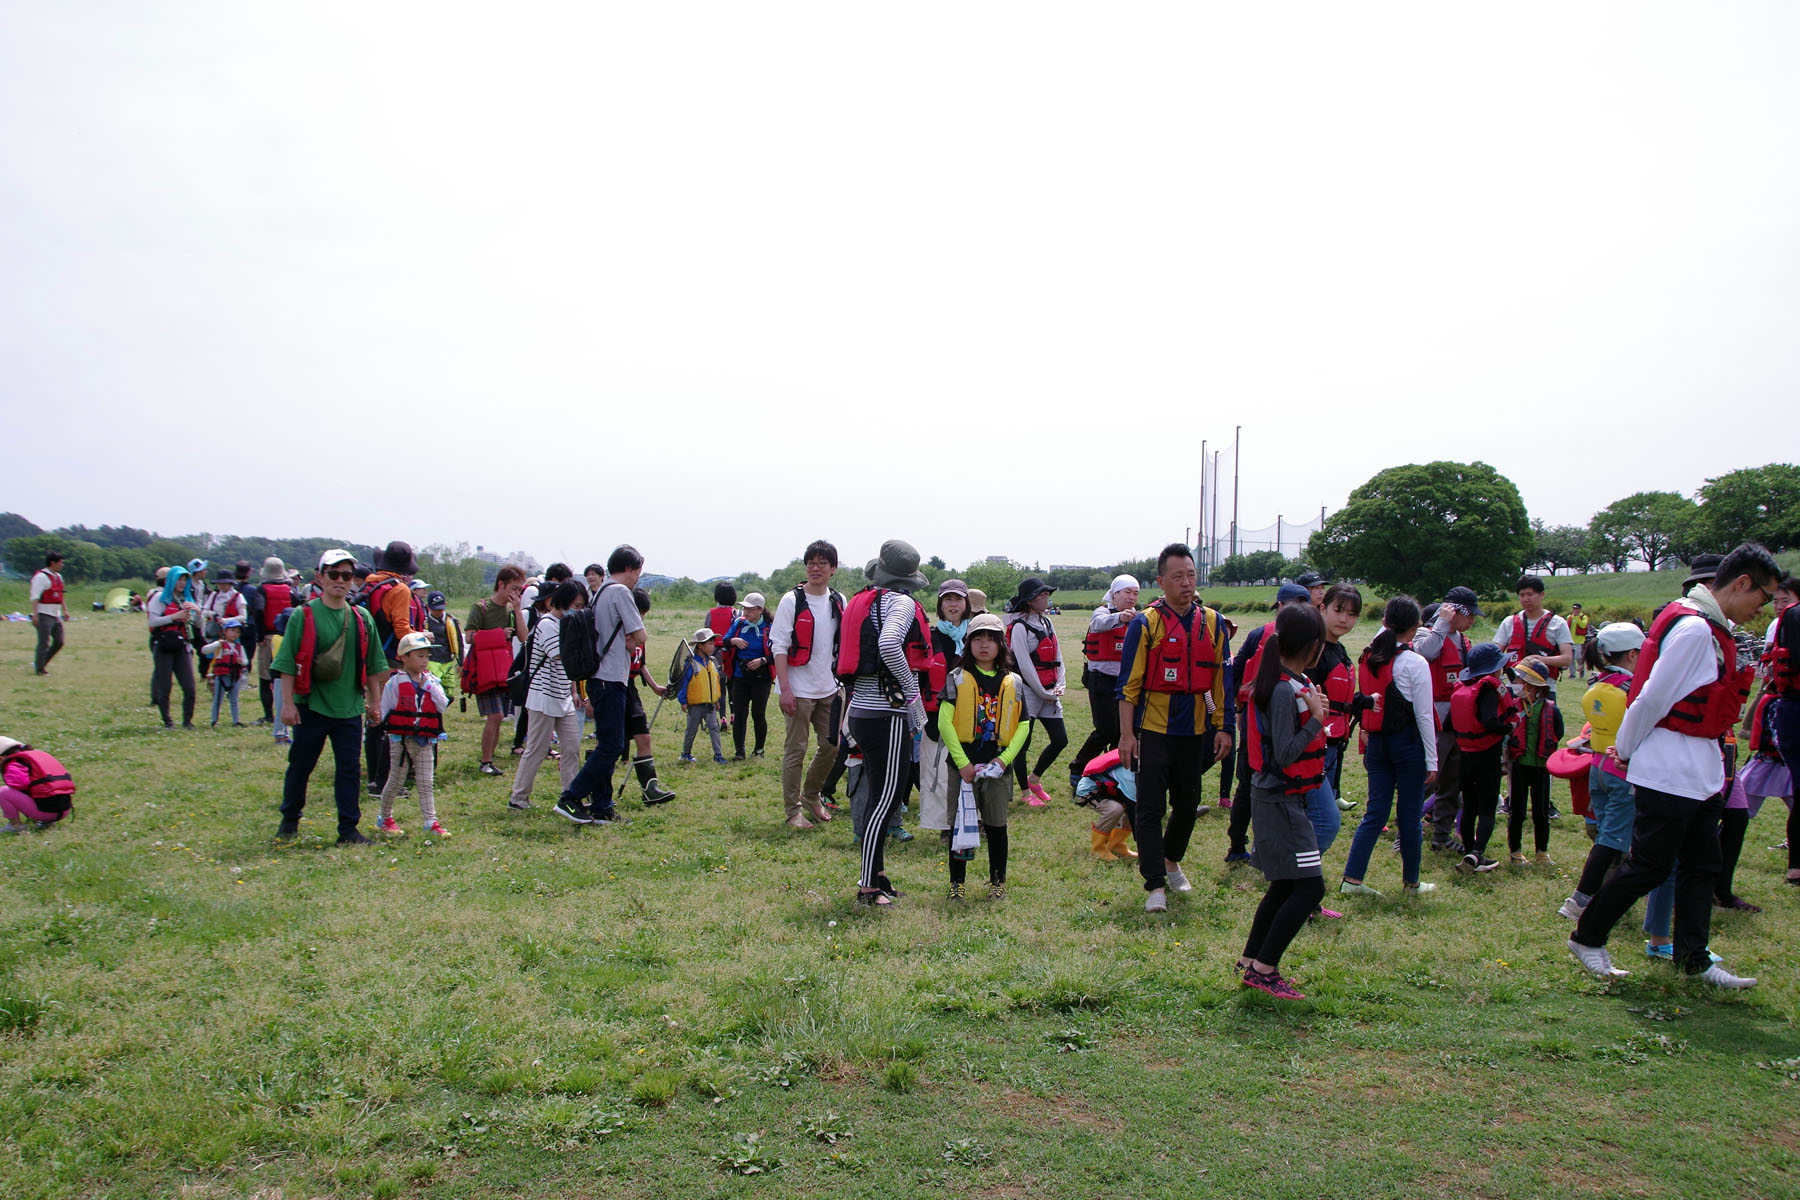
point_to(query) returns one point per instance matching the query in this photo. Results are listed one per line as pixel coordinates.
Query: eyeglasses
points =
(344, 576)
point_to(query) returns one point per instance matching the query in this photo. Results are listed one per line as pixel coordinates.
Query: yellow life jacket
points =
(962, 684)
(703, 687)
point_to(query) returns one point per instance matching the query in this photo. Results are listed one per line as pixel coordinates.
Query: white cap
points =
(334, 556)
(8, 745)
(1619, 637)
(754, 600)
(413, 641)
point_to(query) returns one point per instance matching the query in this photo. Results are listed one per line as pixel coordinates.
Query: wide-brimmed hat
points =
(1533, 671)
(1030, 588)
(1486, 658)
(399, 558)
(897, 567)
(224, 575)
(977, 600)
(418, 640)
(273, 570)
(703, 636)
(1701, 569)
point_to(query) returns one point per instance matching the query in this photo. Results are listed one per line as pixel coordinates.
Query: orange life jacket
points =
(859, 638)
(1306, 772)
(1546, 732)
(1182, 661)
(1706, 712)
(489, 661)
(231, 660)
(1784, 671)
(1762, 739)
(277, 599)
(309, 647)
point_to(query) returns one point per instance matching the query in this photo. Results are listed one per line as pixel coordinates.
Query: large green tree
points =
(1426, 528)
(1754, 504)
(1651, 526)
(1559, 547)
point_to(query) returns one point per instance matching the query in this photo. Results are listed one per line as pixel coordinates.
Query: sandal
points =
(873, 898)
(887, 889)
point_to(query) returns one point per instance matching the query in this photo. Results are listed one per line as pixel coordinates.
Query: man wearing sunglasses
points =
(333, 659)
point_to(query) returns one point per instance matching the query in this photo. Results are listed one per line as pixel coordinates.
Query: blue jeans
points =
(1659, 906)
(1396, 766)
(1321, 803)
(595, 777)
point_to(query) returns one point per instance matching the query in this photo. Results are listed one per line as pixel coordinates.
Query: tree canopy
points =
(1428, 527)
(1754, 504)
(1651, 526)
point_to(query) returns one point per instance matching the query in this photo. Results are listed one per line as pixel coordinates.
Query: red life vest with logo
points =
(1340, 695)
(1182, 662)
(230, 661)
(49, 785)
(1465, 719)
(1044, 657)
(1247, 673)
(309, 648)
(801, 651)
(1546, 732)
(1389, 710)
(1105, 645)
(1527, 641)
(53, 594)
(1306, 772)
(1707, 712)
(277, 599)
(859, 636)
(1450, 662)
(415, 712)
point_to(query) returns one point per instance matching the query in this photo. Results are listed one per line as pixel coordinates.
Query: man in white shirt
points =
(49, 610)
(805, 655)
(1669, 743)
(1535, 631)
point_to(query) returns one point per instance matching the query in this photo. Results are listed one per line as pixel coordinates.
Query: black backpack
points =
(578, 644)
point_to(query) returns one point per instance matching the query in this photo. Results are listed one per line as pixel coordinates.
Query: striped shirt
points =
(897, 617)
(550, 691)
(1173, 713)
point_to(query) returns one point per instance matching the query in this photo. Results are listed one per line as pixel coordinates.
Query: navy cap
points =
(1312, 579)
(1465, 599)
(1486, 658)
(1289, 592)
(434, 600)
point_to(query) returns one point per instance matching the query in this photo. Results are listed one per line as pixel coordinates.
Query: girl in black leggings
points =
(1038, 661)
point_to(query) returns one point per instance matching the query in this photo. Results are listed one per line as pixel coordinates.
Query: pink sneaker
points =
(1224, 801)
(390, 827)
(1043, 797)
(436, 829)
(1271, 983)
(1326, 912)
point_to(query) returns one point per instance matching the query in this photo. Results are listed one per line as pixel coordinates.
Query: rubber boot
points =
(654, 792)
(1116, 843)
(265, 691)
(1101, 837)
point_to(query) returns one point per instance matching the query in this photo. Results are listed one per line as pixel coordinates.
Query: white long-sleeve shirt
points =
(1687, 659)
(390, 694)
(1412, 675)
(1024, 636)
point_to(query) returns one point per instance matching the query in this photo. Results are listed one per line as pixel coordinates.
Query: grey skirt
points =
(1286, 846)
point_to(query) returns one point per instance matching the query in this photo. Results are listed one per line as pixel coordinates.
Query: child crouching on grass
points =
(699, 690)
(981, 722)
(412, 712)
(1109, 787)
(33, 787)
(1286, 740)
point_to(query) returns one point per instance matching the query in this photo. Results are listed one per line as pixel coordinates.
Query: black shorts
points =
(636, 720)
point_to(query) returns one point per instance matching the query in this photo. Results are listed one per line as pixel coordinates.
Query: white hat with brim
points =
(411, 642)
(8, 745)
(334, 556)
(703, 636)
(1619, 637)
(273, 570)
(755, 600)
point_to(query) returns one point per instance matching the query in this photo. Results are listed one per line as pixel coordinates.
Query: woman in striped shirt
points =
(551, 699)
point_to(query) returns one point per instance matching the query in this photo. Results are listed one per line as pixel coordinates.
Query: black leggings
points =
(749, 695)
(1733, 823)
(996, 848)
(1535, 783)
(1600, 860)
(1284, 909)
(1059, 738)
(177, 666)
(886, 743)
(1103, 706)
(1481, 797)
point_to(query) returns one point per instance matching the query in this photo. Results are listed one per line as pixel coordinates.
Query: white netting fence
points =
(1288, 533)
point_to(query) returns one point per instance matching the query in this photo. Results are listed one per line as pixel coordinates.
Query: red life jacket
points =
(1105, 645)
(489, 661)
(415, 712)
(801, 651)
(49, 785)
(1182, 662)
(1387, 704)
(1450, 662)
(1306, 772)
(1340, 694)
(859, 636)
(1783, 671)
(54, 593)
(231, 660)
(1706, 712)
(1546, 732)
(1043, 657)
(1527, 642)
(1465, 720)
(309, 647)
(277, 599)
(1247, 672)
(719, 619)
(1762, 741)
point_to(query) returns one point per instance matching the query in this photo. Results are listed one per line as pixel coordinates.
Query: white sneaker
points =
(1571, 909)
(1719, 977)
(1178, 881)
(1157, 901)
(1357, 889)
(1597, 961)
(1420, 888)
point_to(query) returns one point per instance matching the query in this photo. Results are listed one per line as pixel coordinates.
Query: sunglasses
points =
(340, 575)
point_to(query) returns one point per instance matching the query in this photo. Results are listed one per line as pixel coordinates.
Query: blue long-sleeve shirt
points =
(756, 645)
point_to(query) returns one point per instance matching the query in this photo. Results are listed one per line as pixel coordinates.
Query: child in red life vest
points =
(1534, 739)
(412, 713)
(1481, 713)
(228, 663)
(1285, 730)
(33, 787)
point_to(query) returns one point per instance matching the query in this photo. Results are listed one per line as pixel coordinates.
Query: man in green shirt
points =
(336, 670)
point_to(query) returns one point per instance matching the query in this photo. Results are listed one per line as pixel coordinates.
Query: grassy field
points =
(691, 1005)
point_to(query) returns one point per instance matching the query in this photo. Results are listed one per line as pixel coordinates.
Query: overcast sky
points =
(720, 279)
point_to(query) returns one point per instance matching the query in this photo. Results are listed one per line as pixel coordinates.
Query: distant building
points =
(999, 559)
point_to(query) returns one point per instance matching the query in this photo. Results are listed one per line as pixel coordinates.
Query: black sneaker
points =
(1482, 863)
(569, 810)
(488, 768)
(374, 788)
(1470, 864)
(609, 817)
(352, 837)
(656, 793)
(756, 754)
(288, 832)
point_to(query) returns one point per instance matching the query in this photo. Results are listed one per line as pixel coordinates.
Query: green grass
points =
(692, 1003)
